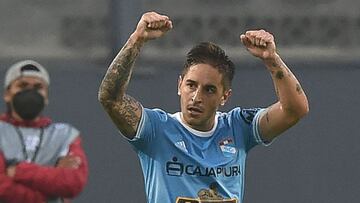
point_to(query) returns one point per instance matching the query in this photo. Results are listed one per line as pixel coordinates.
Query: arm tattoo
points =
(279, 74)
(118, 75)
(277, 91)
(127, 109)
(274, 65)
(124, 110)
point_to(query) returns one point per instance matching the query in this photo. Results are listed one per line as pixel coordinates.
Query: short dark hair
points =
(212, 54)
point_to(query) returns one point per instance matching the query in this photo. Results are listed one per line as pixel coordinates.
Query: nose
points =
(196, 96)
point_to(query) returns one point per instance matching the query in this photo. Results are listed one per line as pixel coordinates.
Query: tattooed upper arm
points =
(126, 115)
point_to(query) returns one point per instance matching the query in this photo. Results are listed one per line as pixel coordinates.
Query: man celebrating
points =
(198, 154)
(40, 161)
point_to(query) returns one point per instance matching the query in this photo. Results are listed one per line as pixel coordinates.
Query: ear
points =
(179, 85)
(225, 97)
(47, 96)
(46, 101)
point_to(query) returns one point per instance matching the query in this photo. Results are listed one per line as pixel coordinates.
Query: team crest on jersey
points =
(248, 114)
(207, 195)
(227, 146)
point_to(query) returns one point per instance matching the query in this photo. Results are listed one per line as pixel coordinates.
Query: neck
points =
(204, 127)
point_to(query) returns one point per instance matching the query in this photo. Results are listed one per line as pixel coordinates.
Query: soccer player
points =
(198, 154)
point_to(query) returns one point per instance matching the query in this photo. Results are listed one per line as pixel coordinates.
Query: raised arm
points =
(124, 110)
(292, 103)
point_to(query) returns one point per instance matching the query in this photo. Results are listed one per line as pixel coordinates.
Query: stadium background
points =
(316, 161)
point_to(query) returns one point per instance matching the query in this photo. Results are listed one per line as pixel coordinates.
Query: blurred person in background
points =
(198, 154)
(40, 161)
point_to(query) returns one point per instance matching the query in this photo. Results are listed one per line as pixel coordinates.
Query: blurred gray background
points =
(317, 161)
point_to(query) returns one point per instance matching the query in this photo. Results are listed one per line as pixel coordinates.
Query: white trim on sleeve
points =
(256, 128)
(140, 127)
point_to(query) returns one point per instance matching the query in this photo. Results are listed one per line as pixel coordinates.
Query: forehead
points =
(29, 80)
(204, 73)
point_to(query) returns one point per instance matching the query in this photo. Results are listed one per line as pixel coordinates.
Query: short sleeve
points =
(256, 128)
(249, 120)
(150, 121)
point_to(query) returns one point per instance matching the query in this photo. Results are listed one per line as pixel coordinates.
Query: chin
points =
(194, 122)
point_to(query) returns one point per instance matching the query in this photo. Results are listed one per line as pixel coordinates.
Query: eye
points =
(211, 90)
(191, 85)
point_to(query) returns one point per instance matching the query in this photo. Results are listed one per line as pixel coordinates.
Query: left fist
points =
(259, 43)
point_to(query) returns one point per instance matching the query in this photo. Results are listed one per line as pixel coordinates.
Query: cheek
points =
(7, 98)
(212, 104)
(185, 95)
(9, 95)
(184, 91)
(183, 99)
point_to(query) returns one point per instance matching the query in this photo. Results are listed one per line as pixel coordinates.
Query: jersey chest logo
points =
(181, 145)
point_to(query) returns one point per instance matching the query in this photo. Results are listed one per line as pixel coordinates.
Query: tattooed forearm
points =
(278, 69)
(118, 74)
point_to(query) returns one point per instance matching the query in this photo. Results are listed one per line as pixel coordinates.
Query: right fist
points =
(153, 25)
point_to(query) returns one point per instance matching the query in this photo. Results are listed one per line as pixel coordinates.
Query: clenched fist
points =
(259, 43)
(152, 25)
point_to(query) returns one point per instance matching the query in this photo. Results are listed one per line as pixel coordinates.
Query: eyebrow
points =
(206, 85)
(192, 81)
(29, 83)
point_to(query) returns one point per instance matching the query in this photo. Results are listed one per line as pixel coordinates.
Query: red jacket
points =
(34, 183)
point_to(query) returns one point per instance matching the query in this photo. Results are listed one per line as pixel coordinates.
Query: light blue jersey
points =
(182, 165)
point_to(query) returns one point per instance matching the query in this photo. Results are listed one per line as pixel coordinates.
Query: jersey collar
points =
(197, 132)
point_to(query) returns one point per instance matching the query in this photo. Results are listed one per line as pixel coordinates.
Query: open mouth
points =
(194, 110)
